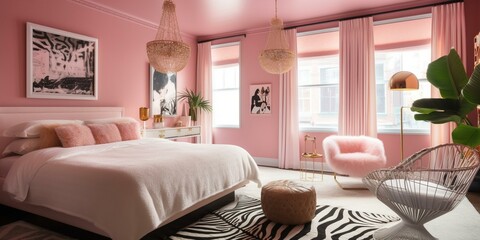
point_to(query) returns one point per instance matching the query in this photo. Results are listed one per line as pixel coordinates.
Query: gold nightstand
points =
(310, 157)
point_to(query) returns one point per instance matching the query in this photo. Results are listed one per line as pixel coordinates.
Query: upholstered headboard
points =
(10, 116)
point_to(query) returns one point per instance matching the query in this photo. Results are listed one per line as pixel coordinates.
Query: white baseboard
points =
(272, 162)
(267, 162)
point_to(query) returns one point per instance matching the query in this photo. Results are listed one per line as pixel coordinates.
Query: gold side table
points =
(310, 157)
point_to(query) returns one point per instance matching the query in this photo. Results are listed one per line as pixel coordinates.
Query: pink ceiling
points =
(210, 18)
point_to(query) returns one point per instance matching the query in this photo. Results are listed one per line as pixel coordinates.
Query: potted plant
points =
(460, 96)
(195, 103)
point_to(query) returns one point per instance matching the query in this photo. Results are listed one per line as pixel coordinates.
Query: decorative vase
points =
(158, 121)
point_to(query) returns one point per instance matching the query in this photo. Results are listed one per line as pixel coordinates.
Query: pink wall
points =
(257, 134)
(124, 77)
(391, 142)
(122, 61)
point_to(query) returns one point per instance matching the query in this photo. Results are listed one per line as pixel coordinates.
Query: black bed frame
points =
(10, 214)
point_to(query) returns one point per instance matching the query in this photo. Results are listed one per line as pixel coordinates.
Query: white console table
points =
(173, 133)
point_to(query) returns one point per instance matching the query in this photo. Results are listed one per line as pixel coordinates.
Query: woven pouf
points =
(288, 202)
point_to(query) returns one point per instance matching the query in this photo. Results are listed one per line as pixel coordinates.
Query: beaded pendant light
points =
(168, 53)
(276, 58)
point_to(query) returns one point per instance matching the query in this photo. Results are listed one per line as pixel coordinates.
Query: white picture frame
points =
(260, 99)
(60, 64)
(163, 93)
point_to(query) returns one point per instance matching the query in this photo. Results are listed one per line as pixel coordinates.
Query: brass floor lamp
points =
(403, 81)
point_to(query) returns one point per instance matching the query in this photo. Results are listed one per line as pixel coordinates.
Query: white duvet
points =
(128, 189)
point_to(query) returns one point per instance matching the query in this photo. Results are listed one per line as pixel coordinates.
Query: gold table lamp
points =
(144, 115)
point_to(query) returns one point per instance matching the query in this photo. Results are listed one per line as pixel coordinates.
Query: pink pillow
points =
(73, 135)
(32, 129)
(105, 133)
(129, 130)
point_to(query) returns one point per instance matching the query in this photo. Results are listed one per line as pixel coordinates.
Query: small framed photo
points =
(163, 93)
(260, 101)
(61, 64)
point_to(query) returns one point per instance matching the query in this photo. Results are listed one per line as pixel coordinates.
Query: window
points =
(401, 52)
(318, 80)
(388, 62)
(400, 45)
(226, 85)
(318, 92)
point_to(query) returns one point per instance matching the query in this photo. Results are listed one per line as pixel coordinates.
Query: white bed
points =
(114, 189)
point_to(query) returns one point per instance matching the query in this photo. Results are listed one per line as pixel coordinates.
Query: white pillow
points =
(48, 138)
(111, 120)
(32, 129)
(22, 146)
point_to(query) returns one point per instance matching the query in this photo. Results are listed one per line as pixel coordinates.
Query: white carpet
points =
(461, 223)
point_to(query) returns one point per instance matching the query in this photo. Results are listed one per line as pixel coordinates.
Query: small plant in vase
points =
(195, 102)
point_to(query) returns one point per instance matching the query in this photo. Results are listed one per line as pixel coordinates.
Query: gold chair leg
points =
(344, 187)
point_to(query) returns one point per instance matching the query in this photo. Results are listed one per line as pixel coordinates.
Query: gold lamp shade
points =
(168, 53)
(403, 81)
(143, 113)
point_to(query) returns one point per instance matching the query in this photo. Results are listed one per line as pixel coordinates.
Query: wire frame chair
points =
(423, 187)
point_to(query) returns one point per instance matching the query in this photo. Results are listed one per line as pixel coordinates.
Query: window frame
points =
(396, 110)
(226, 65)
(320, 85)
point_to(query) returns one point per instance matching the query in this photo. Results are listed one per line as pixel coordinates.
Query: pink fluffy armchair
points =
(354, 156)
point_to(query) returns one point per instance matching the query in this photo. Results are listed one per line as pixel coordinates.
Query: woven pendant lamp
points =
(168, 53)
(276, 58)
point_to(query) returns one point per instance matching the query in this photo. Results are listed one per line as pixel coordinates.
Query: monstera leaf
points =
(448, 75)
(466, 135)
(460, 96)
(471, 91)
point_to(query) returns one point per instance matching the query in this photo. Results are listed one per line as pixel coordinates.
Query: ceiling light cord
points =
(275, 8)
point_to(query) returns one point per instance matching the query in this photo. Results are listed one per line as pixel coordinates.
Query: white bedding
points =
(129, 188)
(5, 165)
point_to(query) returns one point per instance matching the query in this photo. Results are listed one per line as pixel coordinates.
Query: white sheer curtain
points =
(448, 31)
(357, 111)
(204, 85)
(288, 134)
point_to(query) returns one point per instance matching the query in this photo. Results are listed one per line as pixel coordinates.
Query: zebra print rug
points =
(247, 221)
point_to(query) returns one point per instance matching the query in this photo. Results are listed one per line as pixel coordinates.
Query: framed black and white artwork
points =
(163, 93)
(260, 99)
(61, 64)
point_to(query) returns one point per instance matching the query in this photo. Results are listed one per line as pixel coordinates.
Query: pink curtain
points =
(204, 85)
(288, 139)
(357, 108)
(448, 31)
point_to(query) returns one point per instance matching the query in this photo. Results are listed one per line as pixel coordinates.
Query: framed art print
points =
(60, 64)
(163, 93)
(260, 99)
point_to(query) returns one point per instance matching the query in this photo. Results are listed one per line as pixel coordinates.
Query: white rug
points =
(462, 223)
(247, 221)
